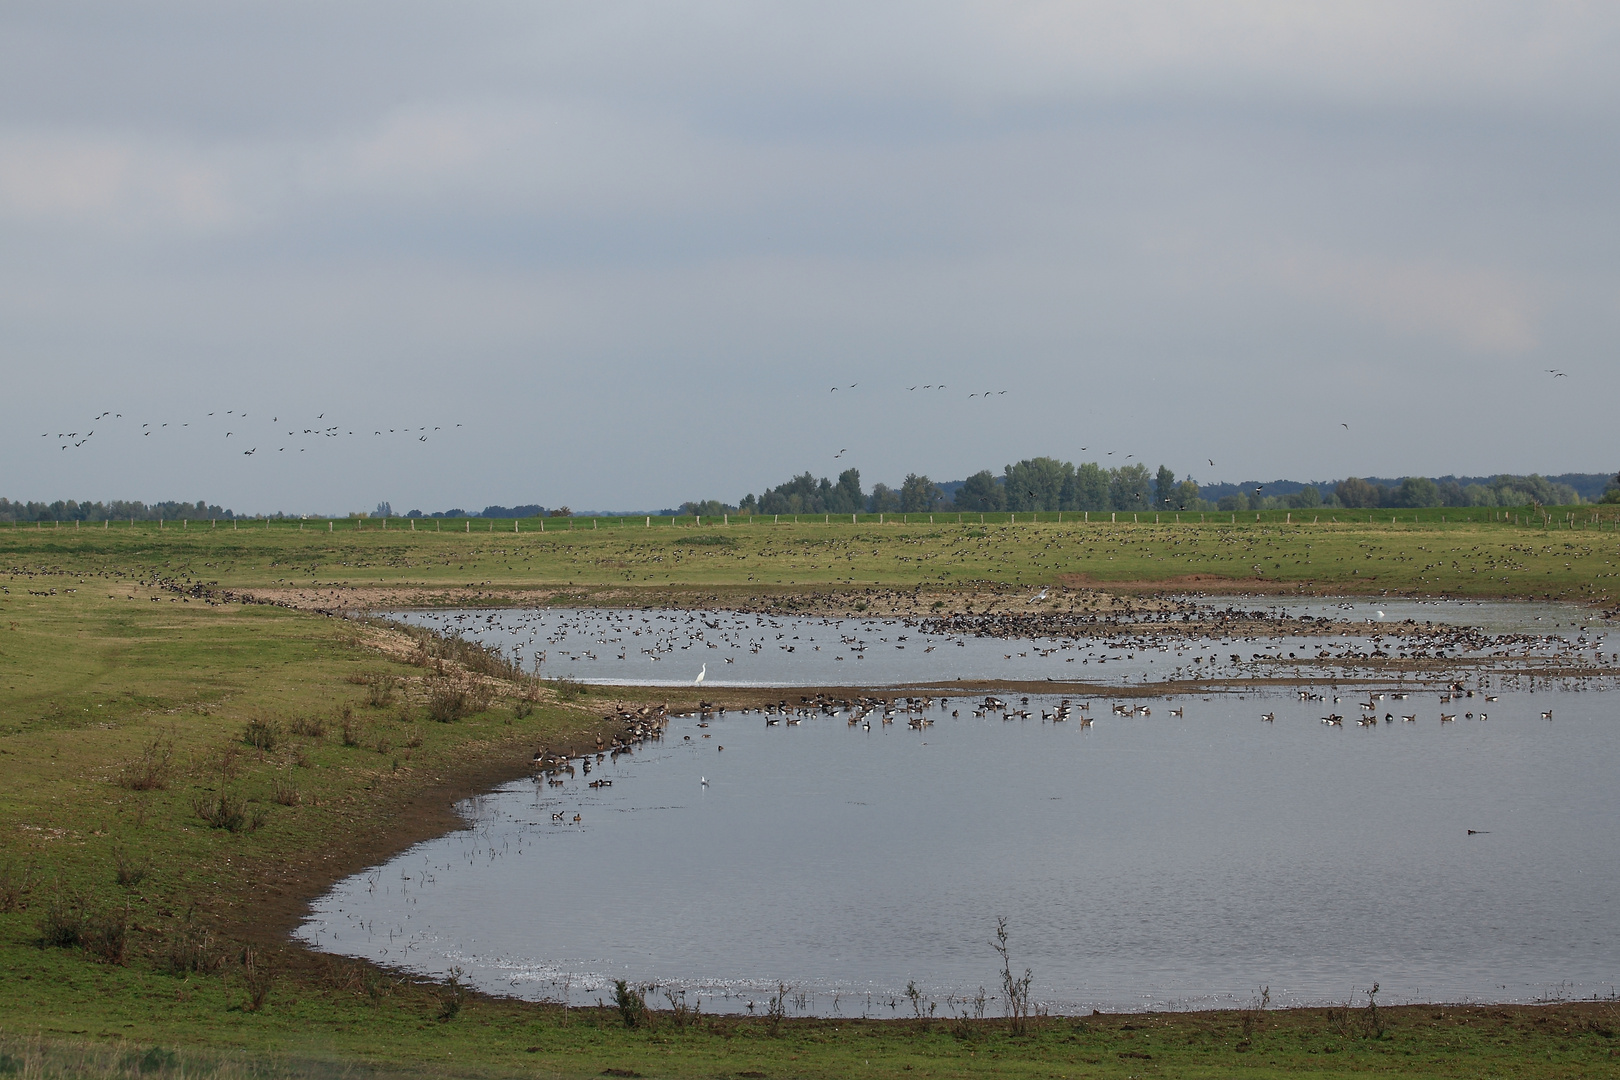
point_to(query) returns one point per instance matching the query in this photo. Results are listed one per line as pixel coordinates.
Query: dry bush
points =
(262, 734)
(106, 935)
(413, 740)
(451, 699)
(61, 925)
(350, 730)
(258, 977)
(14, 886)
(128, 869)
(381, 685)
(191, 949)
(150, 771)
(311, 727)
(228, 812)
(286, 794)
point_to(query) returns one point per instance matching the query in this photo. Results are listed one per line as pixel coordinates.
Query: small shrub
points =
(190, 950)
(383, 746)
(226, 811)
(776, 1010)
(312, 727)
(1372, 1021)
(14, 885)
(62, 924)
(350, 730)
(450, 700)
(1338, 1018)
(262, 735)
(150, 771)
(523, 709)
(413, 741)
(380, 693)
(631, 1001)
(258, 978)
(681, 1014)
(106, 935)
(129, 870)
(452, 996)
(567, 689)
(286, 794)
(1016, 989)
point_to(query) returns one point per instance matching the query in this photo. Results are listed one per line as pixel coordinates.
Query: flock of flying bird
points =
(235, 423)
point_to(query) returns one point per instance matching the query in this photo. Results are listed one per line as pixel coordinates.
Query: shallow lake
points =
(635, 647)
(1141, 862)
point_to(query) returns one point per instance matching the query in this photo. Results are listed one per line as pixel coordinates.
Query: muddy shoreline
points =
(1099, 599)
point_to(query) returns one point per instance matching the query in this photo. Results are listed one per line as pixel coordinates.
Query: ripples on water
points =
(1150, 861)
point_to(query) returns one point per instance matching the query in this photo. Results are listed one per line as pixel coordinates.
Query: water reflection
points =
(1147, 860)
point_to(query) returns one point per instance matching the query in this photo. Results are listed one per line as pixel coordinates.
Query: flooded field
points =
(671, 647)
(1174, 853)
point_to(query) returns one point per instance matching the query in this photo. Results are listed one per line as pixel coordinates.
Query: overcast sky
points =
(631, 248)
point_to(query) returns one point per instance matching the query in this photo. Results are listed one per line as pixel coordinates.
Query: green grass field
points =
(1573, 554)
(182, 773)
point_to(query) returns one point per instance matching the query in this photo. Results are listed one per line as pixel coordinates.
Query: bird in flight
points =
(1344, 425)
(1212, 463)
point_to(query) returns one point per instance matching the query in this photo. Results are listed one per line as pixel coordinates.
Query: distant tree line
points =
(1048, 484)
(117, 510)
(1041, 483)
(528, 510)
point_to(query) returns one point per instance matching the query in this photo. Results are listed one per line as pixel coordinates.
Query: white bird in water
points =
(701, 672)
(703, 780)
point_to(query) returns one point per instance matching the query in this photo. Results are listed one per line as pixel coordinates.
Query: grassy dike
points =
(138, 939)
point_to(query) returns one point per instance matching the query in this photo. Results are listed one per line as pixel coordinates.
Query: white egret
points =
(703, 671)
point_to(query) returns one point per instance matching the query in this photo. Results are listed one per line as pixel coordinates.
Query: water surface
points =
(1149, 861)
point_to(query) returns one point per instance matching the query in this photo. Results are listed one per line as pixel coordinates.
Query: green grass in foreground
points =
(127, 711)
(1576, 560)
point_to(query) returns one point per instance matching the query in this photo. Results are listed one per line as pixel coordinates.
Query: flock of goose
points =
(226, 423)
(1183, 641)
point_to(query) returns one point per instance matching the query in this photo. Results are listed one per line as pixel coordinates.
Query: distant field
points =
(1566, 554)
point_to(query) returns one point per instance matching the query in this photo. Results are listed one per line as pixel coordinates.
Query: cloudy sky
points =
(631, 248)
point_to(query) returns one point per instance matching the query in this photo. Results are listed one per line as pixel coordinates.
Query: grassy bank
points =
(183, 772)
